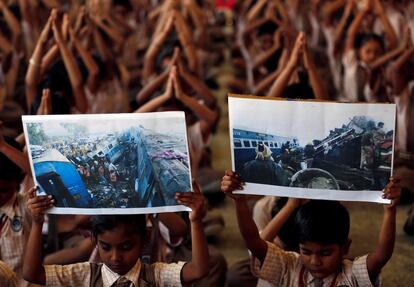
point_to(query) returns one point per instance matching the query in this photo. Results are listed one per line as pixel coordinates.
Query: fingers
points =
(189, 198)
(32, 192)
(393, 192)
(196, 187)
(231, 181)
(40, 202)
(175, 55)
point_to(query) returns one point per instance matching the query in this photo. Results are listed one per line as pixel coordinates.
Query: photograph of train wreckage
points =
(93, 163)
(347, 148)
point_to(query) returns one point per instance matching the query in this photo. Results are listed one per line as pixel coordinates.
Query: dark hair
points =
(287, 232)
(136, 224)
(8, 169)
(322, 221)
(124, 3)
(363, 38)
(268, 27)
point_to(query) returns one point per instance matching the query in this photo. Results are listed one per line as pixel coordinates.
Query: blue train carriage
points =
(145, 184)
(58, 177)
(245, 143)
(169, 165)
(110, 148)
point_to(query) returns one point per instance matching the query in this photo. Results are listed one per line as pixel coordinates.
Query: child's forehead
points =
(316, 246)
(118, 235)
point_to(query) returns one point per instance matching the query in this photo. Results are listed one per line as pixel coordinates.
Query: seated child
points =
(322, 228)
(119, 239)
(14, 218)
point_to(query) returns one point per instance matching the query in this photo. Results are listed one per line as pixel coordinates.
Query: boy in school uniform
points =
(322, 228)
(120, 239)
(14, 217)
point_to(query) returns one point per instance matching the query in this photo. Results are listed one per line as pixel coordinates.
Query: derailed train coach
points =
(58, 177)
(245, 144)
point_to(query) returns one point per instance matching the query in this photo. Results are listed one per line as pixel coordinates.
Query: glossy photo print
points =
(309, 149)
(110, 163)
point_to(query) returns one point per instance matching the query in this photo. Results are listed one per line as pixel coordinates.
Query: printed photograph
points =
(110, 161)
(312, 145)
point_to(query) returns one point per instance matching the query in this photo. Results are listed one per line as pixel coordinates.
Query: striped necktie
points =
(122, 282)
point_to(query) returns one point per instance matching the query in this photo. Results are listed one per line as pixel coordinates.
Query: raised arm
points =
(201, 111)
(354, 28)
(385, 245)
(151, 87)
(315, 81)
(185, 39)
(198, 267)
(265, 84)
(154, 104)
(75, 76)
(255, 10)
(248, 229)
(272, 229)
(340, 27)
(201, 89)
(330, 7)
(11, 20)
(33, 71)
(397, 74)
(93, 69)
(389, 31)
(154, 48)
(33, 269)
(282, 81)
(200, 22)
(15, 155)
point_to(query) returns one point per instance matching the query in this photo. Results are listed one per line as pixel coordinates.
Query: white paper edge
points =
(111, 211)
(298, 192)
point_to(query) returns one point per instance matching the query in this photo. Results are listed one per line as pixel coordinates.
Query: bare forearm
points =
(152, 105)
(385, 245)
(203, 112)
(279, 86)
(316, 83)
(353, 30)
(175, 224)
(272, 229)
(16, 156)
(266, 83)
(389, 32)
(149, 89)
(248, 230)
(201, 89)
(48, 58)
(33, 270)
(79, 253)
(264, 57)
(198, 267)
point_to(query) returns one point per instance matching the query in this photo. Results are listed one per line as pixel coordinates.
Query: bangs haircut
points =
(323, 222)
(136, 224)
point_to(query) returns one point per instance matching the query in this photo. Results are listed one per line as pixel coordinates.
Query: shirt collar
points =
(109, 277)
(9, 207)
(327, 281)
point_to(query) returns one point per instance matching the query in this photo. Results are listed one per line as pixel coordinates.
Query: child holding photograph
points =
(14, 217)
(120, 239)
(322, 228)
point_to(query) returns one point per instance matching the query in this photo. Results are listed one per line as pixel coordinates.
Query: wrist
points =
(196, 222)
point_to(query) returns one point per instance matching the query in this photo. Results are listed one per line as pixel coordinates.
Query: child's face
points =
(119, 249)
(7, 189)
(370, 51)
(321, 260)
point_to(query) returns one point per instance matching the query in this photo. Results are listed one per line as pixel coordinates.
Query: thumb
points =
(196, 187)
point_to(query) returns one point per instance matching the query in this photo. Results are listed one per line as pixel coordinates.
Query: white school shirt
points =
(283, 268)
